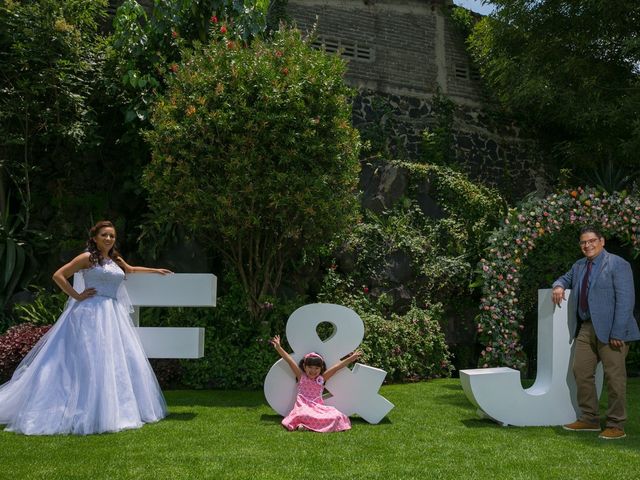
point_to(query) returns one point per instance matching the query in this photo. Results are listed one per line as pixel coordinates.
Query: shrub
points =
(168, 371)
(410, 347)
(45, 308)
(237, 353)
(230, 366)
(15, 344)
(254, 153)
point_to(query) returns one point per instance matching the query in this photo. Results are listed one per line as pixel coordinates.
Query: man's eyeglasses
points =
(591, 241)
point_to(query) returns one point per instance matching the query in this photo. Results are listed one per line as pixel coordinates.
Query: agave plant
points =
(18, 264)
(610, 177)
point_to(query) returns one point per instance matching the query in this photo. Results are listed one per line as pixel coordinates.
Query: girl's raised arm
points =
(341, 364)
(275, 341)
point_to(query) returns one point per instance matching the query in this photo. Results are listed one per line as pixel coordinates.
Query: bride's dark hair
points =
(95, 256)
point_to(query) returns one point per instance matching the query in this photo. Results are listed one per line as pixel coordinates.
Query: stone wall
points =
(488, 151)
(401, 54)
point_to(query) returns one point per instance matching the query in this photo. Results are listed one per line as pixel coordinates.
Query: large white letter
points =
(551, 400)
(352, 391)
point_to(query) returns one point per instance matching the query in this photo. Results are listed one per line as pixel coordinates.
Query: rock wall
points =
(401, 55)
(489, 151)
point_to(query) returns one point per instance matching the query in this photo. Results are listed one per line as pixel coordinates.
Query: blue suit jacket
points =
(611, 297)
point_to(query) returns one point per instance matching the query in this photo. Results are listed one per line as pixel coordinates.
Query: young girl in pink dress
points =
(309, 411)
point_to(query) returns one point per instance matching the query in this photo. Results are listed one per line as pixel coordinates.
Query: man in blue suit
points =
(606, 297)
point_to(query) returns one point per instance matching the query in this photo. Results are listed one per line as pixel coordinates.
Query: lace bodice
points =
(105, 278)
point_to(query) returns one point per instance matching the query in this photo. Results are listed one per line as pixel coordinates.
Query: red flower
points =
(285, 71)
(278, 53)
(365, 289)
(230, 44)
(174, 67)
(223, 29)
(214, 19)
(174, 34)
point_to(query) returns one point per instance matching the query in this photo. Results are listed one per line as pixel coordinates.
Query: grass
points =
(432, 432)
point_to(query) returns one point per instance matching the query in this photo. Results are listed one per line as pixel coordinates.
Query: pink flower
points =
(223, 29)
(214, 19)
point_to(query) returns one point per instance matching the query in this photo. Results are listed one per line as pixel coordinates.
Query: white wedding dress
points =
(88, 373)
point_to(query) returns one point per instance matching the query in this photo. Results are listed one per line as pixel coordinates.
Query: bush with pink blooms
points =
(501, 320)
(15, 344)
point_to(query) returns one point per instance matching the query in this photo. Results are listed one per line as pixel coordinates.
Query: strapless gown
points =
(88, 373)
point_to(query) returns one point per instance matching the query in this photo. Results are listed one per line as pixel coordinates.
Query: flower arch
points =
(501, 319)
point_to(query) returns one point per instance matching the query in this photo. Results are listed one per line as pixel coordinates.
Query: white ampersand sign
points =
(352, 391)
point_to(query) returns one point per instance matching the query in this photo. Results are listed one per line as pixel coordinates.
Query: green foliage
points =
(45, 308)
(374, 243)
(438, 140)
(73, 99)
(143, 48)
(610, 177)
(378, 136)
(254, 153)
(569, 70)
(472, 210)
(50, 57)
(443, 251)
(18, 246)
(408, 347)
(401, 256)
(237, 352)
(463, 19)
(633, 360)
(276, 14)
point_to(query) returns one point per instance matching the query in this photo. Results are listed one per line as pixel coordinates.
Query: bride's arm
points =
(67, 270)
(130, 269)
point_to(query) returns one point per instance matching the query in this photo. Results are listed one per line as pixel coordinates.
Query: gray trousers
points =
(589, 351)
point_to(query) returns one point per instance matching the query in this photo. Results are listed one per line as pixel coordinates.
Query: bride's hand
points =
(86, 293)
(163, 271)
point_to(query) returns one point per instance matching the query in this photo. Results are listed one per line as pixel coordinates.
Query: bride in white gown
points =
(88, 373)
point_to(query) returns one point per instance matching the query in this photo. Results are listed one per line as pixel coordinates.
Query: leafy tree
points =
(144, 47)
(48, 55)
(253, 151)
(50, 58)
(571, 71)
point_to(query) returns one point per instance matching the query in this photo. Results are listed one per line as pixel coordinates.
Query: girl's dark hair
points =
(313, 361)
(95, 256)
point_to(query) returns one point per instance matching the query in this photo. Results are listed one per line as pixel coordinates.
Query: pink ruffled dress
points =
(311, 412)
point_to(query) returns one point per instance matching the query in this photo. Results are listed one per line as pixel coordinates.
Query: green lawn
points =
(431, 433)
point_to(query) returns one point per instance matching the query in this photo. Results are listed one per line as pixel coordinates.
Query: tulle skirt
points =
(87, 374)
